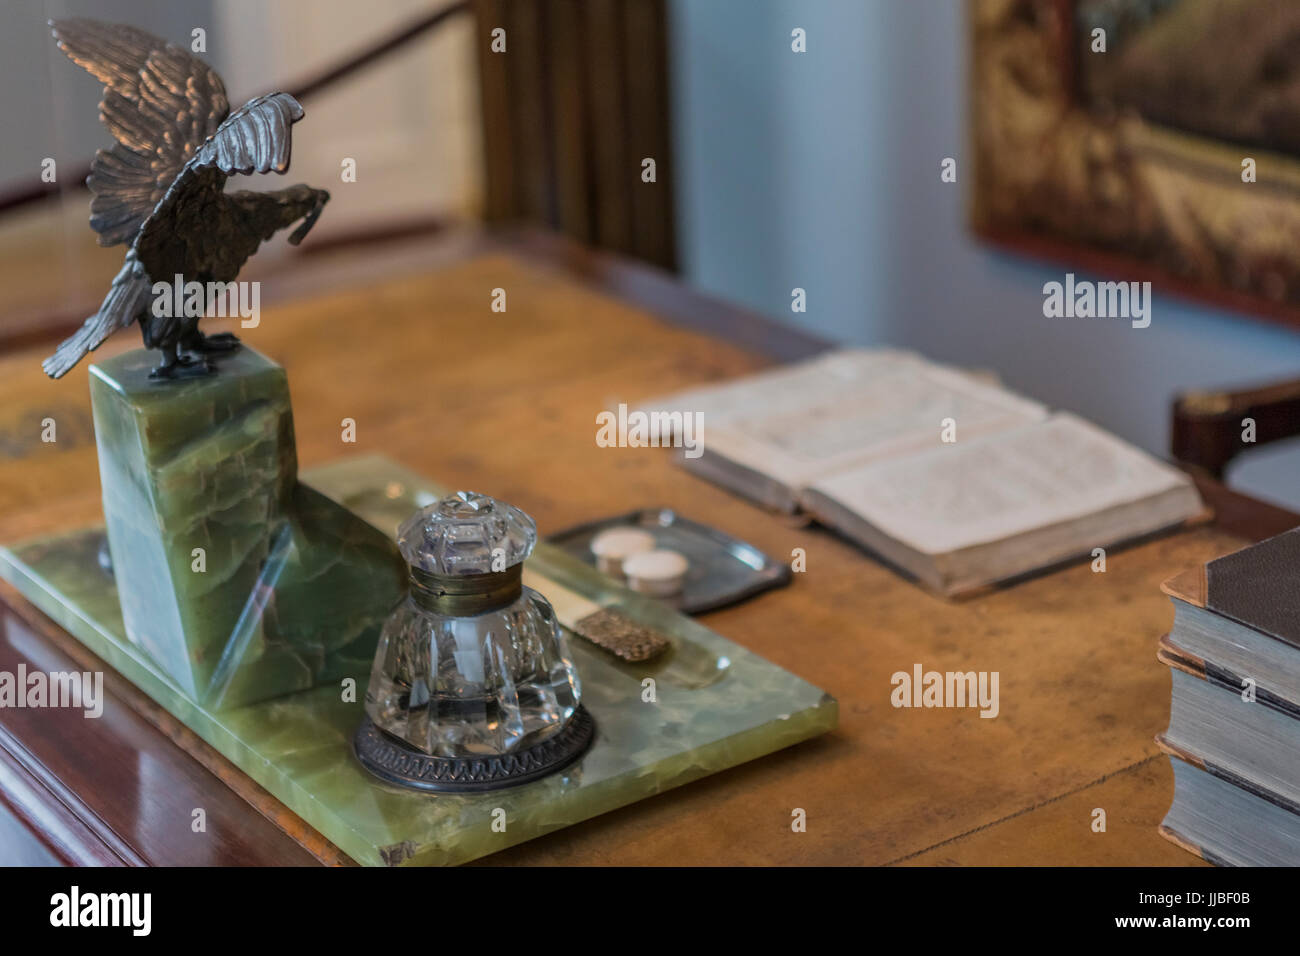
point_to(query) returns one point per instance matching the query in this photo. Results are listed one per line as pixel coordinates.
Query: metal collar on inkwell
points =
(466, 595)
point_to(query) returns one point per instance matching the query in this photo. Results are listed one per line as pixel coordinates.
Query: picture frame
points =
(1145, 151)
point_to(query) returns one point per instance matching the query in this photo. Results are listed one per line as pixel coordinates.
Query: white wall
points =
(411, 121)
(821, 170)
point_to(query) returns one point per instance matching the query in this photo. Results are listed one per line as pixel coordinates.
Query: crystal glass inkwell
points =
(472, 686)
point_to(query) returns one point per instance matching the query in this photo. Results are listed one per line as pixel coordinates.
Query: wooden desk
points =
(402, 339)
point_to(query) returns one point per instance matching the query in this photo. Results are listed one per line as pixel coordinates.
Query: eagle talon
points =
(176, 364)
(183, 368)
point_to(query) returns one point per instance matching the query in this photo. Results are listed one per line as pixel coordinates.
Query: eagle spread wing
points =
(128, 295)
(169, 114)
(160, 103)
(255, 139)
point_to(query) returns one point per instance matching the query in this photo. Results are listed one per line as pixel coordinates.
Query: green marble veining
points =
(239, 581)
(717, 704)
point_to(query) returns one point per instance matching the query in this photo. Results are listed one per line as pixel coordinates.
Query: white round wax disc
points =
(613, 545)
(658, 572)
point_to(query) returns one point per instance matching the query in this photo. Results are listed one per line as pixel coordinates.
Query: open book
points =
(955, 480)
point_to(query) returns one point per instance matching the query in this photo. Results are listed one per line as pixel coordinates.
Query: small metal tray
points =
(723, 570)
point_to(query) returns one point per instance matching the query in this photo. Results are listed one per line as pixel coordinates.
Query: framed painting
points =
(1144, 139)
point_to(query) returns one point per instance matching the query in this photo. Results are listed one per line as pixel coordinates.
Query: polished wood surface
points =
(402, 340)
(124, 788)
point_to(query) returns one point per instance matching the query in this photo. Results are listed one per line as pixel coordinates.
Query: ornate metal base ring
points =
(399, 763)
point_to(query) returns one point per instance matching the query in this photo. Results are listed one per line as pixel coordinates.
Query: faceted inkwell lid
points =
(464, 532)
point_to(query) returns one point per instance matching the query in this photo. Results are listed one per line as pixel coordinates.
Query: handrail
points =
(34, 192)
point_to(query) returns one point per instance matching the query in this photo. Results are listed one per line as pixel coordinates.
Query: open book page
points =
(817, 380)
(987, 489)
(899, 409)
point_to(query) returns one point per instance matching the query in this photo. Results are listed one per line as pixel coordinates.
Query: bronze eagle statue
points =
(160, 188)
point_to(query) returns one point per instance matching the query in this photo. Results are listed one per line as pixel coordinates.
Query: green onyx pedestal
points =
(239, 582)
(715, 705)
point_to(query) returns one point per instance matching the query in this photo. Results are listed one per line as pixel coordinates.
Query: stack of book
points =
(950, 477)
(1234, 722)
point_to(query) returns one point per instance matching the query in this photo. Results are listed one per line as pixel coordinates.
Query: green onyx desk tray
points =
(715, 705)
